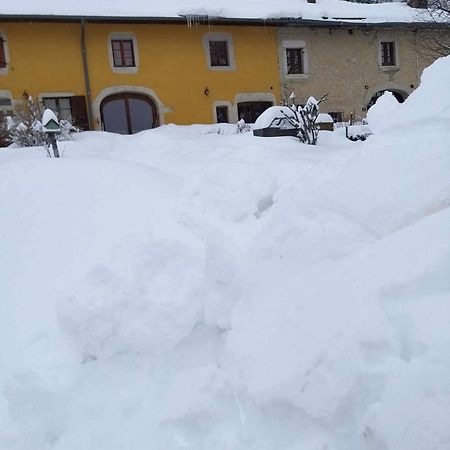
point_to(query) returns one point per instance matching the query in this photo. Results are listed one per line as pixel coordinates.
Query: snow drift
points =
(183, 288)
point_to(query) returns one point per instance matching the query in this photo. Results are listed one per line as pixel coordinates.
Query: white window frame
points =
(231, 57)
(219, 103)
(123, 36)
(5, 70)
(396, 66)
(294, 44)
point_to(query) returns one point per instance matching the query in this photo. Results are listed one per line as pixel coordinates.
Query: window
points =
(128, 113)
(388, 57)
(294, 60)
(71, 108)
(60, 106)
(338, 116)
(250, 111)
(218, 53)
(5, 102)
(222, 114)
(294, 56)
(123, 52)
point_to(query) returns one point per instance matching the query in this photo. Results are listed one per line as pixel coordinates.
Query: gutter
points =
(333, 22)
(87, 81)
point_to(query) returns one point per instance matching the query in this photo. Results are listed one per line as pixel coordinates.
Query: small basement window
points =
(60, 106)
(72, 109)
(388, 56)
(222, 114)
(250, 111)
(338, 116)
(5, 102)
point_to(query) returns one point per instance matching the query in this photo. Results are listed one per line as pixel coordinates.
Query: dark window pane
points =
(337, 116)
(294, 57)
(388, 53)
(250, 111)
(222, 114)
(79, 112)
(5, 101)
(50, 103)
(2, 54)
(141, 114)
(117, 55)
(60, 106)
(218, 52)
(115, 116)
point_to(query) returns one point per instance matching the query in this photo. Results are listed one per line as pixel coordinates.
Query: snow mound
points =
(267, 118)
(430, 102)
(380, 114)
(187, 289)
(146, 306)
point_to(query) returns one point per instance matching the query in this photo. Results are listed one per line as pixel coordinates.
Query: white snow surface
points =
(326, 10)
(194, 288)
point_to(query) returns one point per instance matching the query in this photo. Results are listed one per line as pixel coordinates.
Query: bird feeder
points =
(51, 129)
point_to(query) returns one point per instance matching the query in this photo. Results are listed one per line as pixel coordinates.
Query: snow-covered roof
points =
(323, 10)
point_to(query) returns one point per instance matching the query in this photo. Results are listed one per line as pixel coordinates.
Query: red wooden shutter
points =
(79, 112)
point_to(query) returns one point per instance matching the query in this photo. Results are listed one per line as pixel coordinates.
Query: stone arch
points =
(401, 93)
(161, 109)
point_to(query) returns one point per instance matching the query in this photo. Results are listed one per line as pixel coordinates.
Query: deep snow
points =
(189, 287)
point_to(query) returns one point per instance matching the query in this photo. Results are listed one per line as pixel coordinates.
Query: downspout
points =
(87, 81)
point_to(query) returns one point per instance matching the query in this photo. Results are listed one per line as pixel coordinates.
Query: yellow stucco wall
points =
(43, 58)
(46, 57)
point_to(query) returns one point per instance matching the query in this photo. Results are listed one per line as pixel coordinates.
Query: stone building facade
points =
(352, 65)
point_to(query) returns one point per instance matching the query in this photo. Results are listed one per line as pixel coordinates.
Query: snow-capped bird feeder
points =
(51, 129)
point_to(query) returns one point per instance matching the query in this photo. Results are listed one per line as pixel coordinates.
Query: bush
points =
(303, 119)
(25, 127)
(4, 132)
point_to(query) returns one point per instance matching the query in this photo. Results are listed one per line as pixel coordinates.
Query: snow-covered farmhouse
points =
(128, 66)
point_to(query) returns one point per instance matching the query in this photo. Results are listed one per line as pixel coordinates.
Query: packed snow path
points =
(189, 287)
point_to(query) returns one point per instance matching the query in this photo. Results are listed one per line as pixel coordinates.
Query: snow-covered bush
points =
(302, 118)
(4, 133)
(25, 128)
(242, 127)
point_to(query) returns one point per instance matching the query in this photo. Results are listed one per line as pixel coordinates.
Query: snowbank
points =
(182, 288)
(424, 105)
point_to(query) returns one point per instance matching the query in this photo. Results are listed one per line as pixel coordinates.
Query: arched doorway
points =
(128, 113)
(400, 96)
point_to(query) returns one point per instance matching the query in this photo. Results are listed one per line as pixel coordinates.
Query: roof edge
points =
(357, 22)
